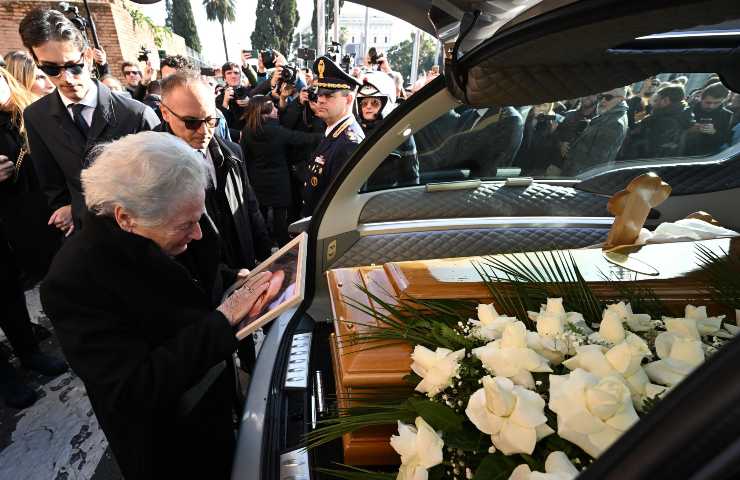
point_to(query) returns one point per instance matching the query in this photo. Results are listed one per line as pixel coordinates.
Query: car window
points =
(677, 116)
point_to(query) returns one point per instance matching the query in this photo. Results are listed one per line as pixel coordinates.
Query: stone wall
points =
(119, 36)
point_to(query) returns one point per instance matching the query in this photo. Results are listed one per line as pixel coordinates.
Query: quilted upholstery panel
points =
(683, 178)
(488, 200)
(380, 249)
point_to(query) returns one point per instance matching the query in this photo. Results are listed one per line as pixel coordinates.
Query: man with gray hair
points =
(189, 112)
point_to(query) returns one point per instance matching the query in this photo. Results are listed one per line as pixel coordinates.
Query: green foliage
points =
(495, 466)
(263, 35)
(438, 416)
(723, 275)
(274, 26)
(221, 11)
(182, 23)
(355, 473)
(138, 19)
(400, 55)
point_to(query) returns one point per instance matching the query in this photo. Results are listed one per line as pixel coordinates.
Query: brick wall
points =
(118, 35)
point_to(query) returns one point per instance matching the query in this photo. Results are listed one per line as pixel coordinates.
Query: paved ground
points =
(57, 438)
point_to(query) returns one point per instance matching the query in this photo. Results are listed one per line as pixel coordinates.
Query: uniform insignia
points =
(322, 67)
(314, 181)
(321, 170)
(320, 160)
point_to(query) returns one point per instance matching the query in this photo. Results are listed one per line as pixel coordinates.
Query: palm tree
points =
(222, 11)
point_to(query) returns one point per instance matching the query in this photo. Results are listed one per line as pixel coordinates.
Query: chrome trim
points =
(296, 375)
(294, 465)
(429, 225)
(321, 403)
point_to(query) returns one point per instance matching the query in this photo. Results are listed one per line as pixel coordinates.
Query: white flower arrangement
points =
(557, 467)
(490, 325)
(512, 415)
(437, 369)
(420, 448)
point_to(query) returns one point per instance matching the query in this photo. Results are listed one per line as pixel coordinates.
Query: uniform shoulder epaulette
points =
(343, 127)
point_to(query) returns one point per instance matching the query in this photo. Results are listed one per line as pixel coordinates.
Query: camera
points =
(288, 76)
(308, 54)
(347, 62)
(313, 95)
(74, 15)
(143, 54)
(268, 58)
(241, 92)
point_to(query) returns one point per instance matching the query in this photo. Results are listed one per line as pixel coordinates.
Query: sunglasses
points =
(606, 96)
(193, 123)
(131, 72)
(56, 70)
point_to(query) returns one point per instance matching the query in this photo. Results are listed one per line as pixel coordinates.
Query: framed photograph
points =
(287, 285)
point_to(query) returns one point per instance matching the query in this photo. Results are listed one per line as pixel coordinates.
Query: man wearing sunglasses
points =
(600, 142)
(189, 112)
(64, 127)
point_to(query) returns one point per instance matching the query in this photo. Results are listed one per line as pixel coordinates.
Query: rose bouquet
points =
(529, 393)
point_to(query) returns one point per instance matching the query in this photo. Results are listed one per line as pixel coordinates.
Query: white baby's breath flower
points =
(512, 415)
(592, 412)
(510, 356)
(437, 369)
(420, 448)
(557, 467)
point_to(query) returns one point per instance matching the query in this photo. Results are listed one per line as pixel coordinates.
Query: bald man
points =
(600, 142)
(189, 112)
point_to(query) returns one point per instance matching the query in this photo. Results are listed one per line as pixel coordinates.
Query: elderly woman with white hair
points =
(135, 301)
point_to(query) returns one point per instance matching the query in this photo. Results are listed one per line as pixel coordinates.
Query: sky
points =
(237, 33)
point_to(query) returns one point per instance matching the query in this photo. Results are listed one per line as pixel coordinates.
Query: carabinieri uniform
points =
(337, 146)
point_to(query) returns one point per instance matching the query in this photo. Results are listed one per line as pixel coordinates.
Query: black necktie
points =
(79, 119)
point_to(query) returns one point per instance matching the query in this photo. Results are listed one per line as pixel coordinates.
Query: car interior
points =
(477, 193)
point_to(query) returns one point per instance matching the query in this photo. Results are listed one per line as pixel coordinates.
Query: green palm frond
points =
(355, 473)
(723, 275)
(530, 278)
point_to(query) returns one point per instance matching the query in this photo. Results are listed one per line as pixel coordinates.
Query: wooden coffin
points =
(670, 270)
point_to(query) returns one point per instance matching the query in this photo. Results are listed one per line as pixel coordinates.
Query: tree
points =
(329, 11)
(274, 26)
(287, 21)
(181, 18)
(168, 9)
(400, 55)
(221, 11)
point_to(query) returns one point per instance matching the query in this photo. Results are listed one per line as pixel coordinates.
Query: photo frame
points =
(287, 289)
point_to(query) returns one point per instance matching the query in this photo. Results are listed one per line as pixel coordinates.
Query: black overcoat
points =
(268, 163)
(140, 330)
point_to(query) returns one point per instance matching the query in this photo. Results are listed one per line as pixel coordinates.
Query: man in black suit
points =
(64, 126)
(189, 112)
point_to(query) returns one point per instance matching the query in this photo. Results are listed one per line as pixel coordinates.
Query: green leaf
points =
(354, 473)
(440, 417)
(495, 466)
(468, 439)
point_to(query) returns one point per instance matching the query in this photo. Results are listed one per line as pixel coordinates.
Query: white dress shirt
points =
(90, 101)
(333, 125)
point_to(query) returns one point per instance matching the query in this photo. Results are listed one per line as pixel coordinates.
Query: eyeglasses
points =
(193, 123)
(56, 70)
(131, 72)
(607, 96)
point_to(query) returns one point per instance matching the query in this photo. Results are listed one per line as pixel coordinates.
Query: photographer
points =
(234, 98)
(136, 83)
(267, 145)
(712, 127)
(540, 152)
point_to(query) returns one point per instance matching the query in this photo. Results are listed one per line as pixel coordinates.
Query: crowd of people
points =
(140, 198)
(654, 118)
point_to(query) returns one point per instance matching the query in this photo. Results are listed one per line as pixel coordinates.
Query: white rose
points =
(557, 467)
(637, 322)
(510, 356)
(490, 325)
(420, 448)
(705, 325)
(679, 349)
(554, 349)
(551, 318)
(512, 415)
(592, 412)
(437, 369)
(610, 330)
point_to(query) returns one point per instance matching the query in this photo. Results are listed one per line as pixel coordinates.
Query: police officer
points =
(336, 92)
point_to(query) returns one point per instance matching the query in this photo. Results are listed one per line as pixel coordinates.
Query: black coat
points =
(59, 150)
(139, 330)
(268, 160)
(24, 213)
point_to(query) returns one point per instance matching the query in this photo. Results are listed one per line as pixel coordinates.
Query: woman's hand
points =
(7, 168)
(239, 303)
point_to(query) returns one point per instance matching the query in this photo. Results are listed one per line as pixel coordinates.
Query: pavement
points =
(58, 437)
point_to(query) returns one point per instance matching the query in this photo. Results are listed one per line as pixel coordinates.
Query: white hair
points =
(147, 174)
